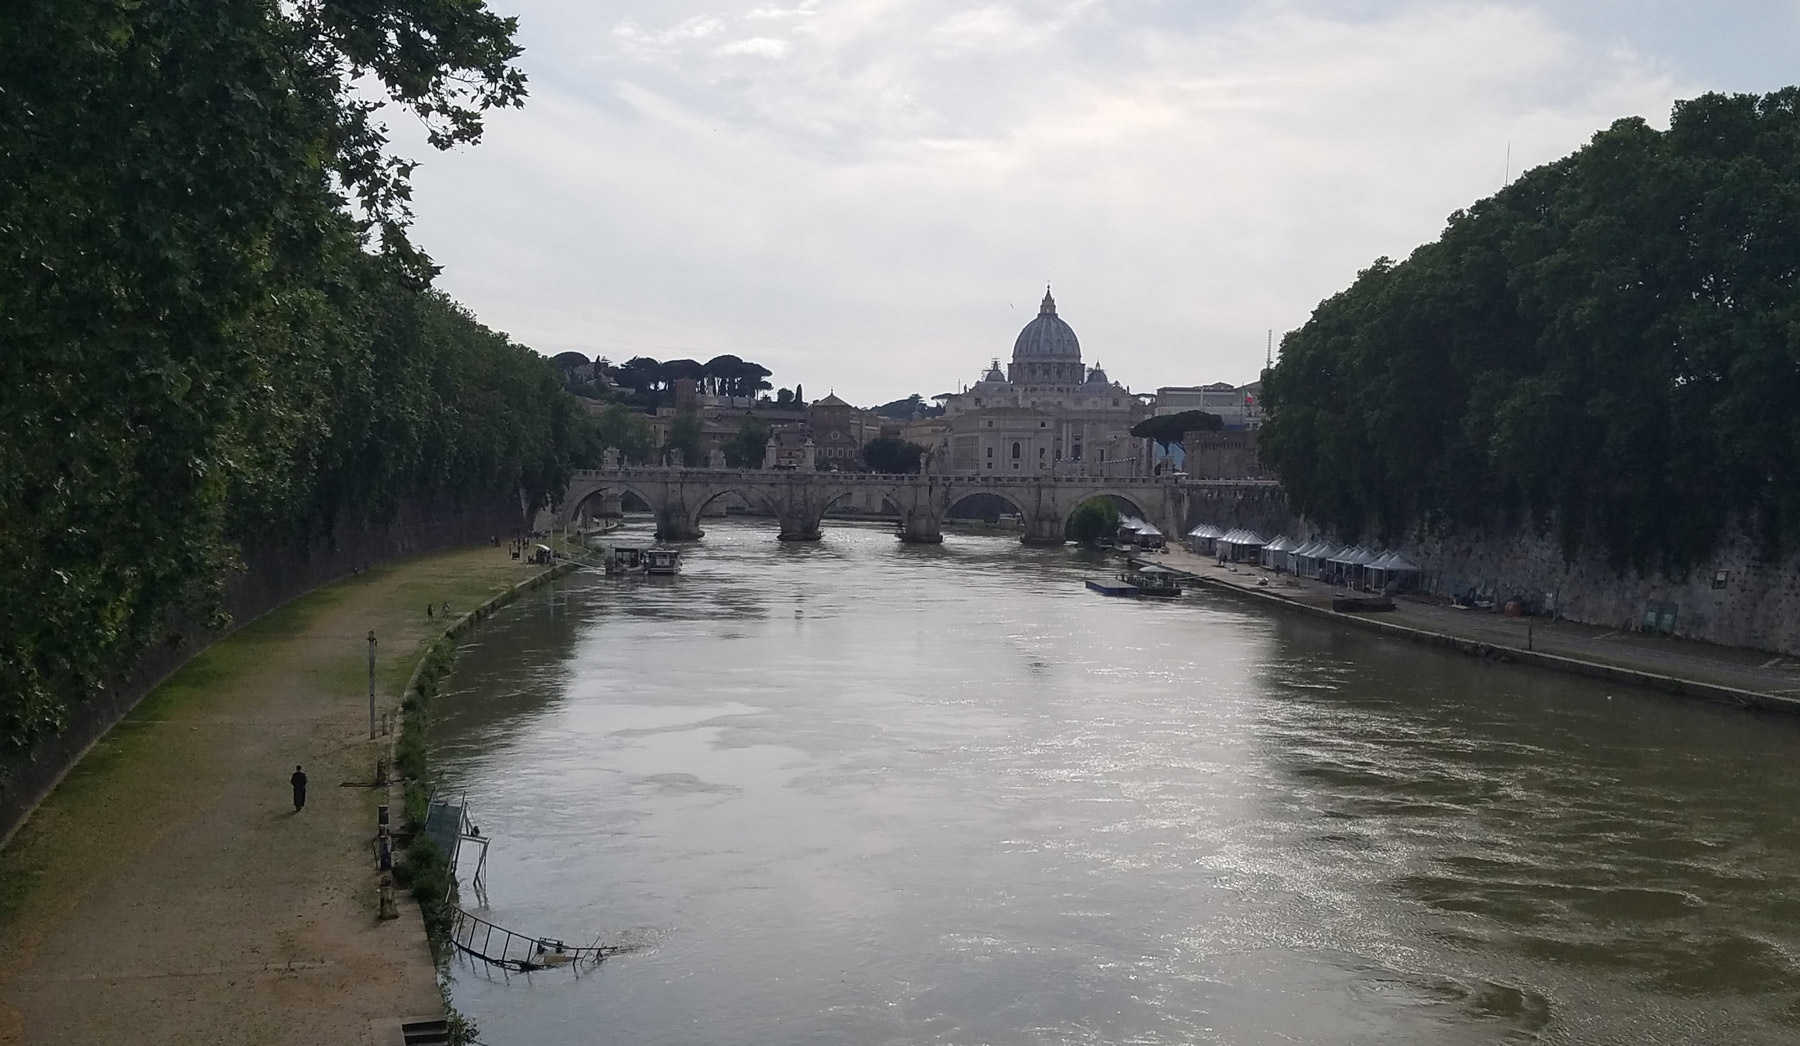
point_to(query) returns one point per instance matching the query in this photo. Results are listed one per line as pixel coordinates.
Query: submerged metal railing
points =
(495, 944)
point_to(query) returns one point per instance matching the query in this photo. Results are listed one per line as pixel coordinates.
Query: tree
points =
(1092, 520)
(1604, 347)
(902, 409)
(684, 440)
(746, 449)
(1168, 429)
(622, 429)
(897, 456)
(201, 205)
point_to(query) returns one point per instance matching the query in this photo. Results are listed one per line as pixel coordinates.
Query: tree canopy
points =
(213, 327)
(1609, 346)
(1093, 519)
(888, 454)
(1168, 429)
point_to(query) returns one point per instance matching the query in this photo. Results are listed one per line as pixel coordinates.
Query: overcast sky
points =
(869, 195)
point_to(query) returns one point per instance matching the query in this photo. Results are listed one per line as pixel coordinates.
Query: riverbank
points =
(1687, 668)
(166, 892)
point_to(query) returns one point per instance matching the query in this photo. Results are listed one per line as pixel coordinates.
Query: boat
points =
(624, 559)
(1154, 581)
(1110, 589)
(662, 561)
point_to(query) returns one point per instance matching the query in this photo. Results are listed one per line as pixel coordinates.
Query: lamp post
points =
(371, 684)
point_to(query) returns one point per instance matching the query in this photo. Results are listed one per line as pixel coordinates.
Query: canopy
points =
(1247, 538)
(1279, 544)
(1397, 562)
(1204, 531)
(1354, 556)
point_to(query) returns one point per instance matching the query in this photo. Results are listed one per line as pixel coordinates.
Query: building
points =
(1238, 406)
(1048, 412)
(839, 431)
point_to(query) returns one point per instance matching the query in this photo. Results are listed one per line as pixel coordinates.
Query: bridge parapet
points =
(678, 496)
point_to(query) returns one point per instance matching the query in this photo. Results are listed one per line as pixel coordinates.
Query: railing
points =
(499, 946)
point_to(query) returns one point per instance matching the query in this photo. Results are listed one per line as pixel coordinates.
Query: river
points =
(860, 792)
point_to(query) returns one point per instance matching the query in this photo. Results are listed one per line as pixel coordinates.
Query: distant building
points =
(1047, 413)
(1238, 406)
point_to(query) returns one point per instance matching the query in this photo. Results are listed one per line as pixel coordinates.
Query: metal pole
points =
(371, 684)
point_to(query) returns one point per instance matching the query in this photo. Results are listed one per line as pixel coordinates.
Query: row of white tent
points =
(1355, 565)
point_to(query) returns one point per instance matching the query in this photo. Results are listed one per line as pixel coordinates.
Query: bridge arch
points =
(571, 508)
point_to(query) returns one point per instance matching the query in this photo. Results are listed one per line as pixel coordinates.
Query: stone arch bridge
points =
(678, 496)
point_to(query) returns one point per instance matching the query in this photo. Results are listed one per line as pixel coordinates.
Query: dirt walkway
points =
(1754, 671)
(168, 893)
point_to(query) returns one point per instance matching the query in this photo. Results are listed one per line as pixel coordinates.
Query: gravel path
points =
(168, 893)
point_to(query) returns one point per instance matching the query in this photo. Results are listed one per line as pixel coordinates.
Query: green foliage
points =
(622, 429)
(746, 449)
(888, 454)
(913, 406)
(1609, 346)
(213, 329)
(1093, 519)
(1168, 429)
(684, 441)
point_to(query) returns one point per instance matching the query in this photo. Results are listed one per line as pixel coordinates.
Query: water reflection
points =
(861, 792)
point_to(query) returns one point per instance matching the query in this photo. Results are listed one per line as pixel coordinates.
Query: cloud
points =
(760, 46)
(878, 209)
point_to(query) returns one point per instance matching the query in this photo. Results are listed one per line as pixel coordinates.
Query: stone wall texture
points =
(1735, 597)
(275, 573)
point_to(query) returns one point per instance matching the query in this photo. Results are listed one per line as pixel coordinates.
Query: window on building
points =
(1015, 452)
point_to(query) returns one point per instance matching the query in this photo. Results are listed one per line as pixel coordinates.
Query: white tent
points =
(1241, 544)
(1201, 538)
(1278, 554)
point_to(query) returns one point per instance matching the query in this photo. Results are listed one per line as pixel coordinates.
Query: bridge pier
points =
(921, 528)
(1045, 530)
(675, 523)
(799, 526)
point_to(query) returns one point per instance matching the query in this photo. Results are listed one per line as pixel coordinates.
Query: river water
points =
(860, 792)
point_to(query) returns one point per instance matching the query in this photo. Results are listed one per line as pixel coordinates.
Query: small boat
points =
(1154, 581)
(1107, 589)
(662, 561)
(624, 559)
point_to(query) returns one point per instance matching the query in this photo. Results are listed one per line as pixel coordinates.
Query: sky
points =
(869, 196)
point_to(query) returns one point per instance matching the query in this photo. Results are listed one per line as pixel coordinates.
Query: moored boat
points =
(1154, 581)
(662, 561)
(1106, 588)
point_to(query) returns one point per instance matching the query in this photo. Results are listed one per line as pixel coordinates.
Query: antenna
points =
(1269, 354)
(1507, 179)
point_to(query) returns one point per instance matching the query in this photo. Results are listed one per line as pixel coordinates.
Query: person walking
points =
(299, 783)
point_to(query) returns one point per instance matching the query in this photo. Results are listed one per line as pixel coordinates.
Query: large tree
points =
(888, 454)
(1607, 346)
(213, 327)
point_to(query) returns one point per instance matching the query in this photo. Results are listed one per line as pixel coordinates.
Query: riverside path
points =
(167, 893)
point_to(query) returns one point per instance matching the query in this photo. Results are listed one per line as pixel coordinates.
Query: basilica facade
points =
(1047, 413)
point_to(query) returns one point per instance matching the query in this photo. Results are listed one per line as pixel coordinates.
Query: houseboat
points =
(1152, 581)
(662, 561)
(624, 559)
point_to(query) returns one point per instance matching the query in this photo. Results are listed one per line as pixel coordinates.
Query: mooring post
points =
(371, 684)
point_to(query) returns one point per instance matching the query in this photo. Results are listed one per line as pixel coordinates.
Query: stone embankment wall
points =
(1735, 598)
(275, 573)
(1262, 509)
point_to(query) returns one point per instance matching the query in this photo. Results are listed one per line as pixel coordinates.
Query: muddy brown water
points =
(861, 792)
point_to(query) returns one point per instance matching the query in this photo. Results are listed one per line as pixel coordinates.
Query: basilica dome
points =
(1047, 338)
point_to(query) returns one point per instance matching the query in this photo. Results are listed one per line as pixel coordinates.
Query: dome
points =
(1097, 376)
(1047, 337)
